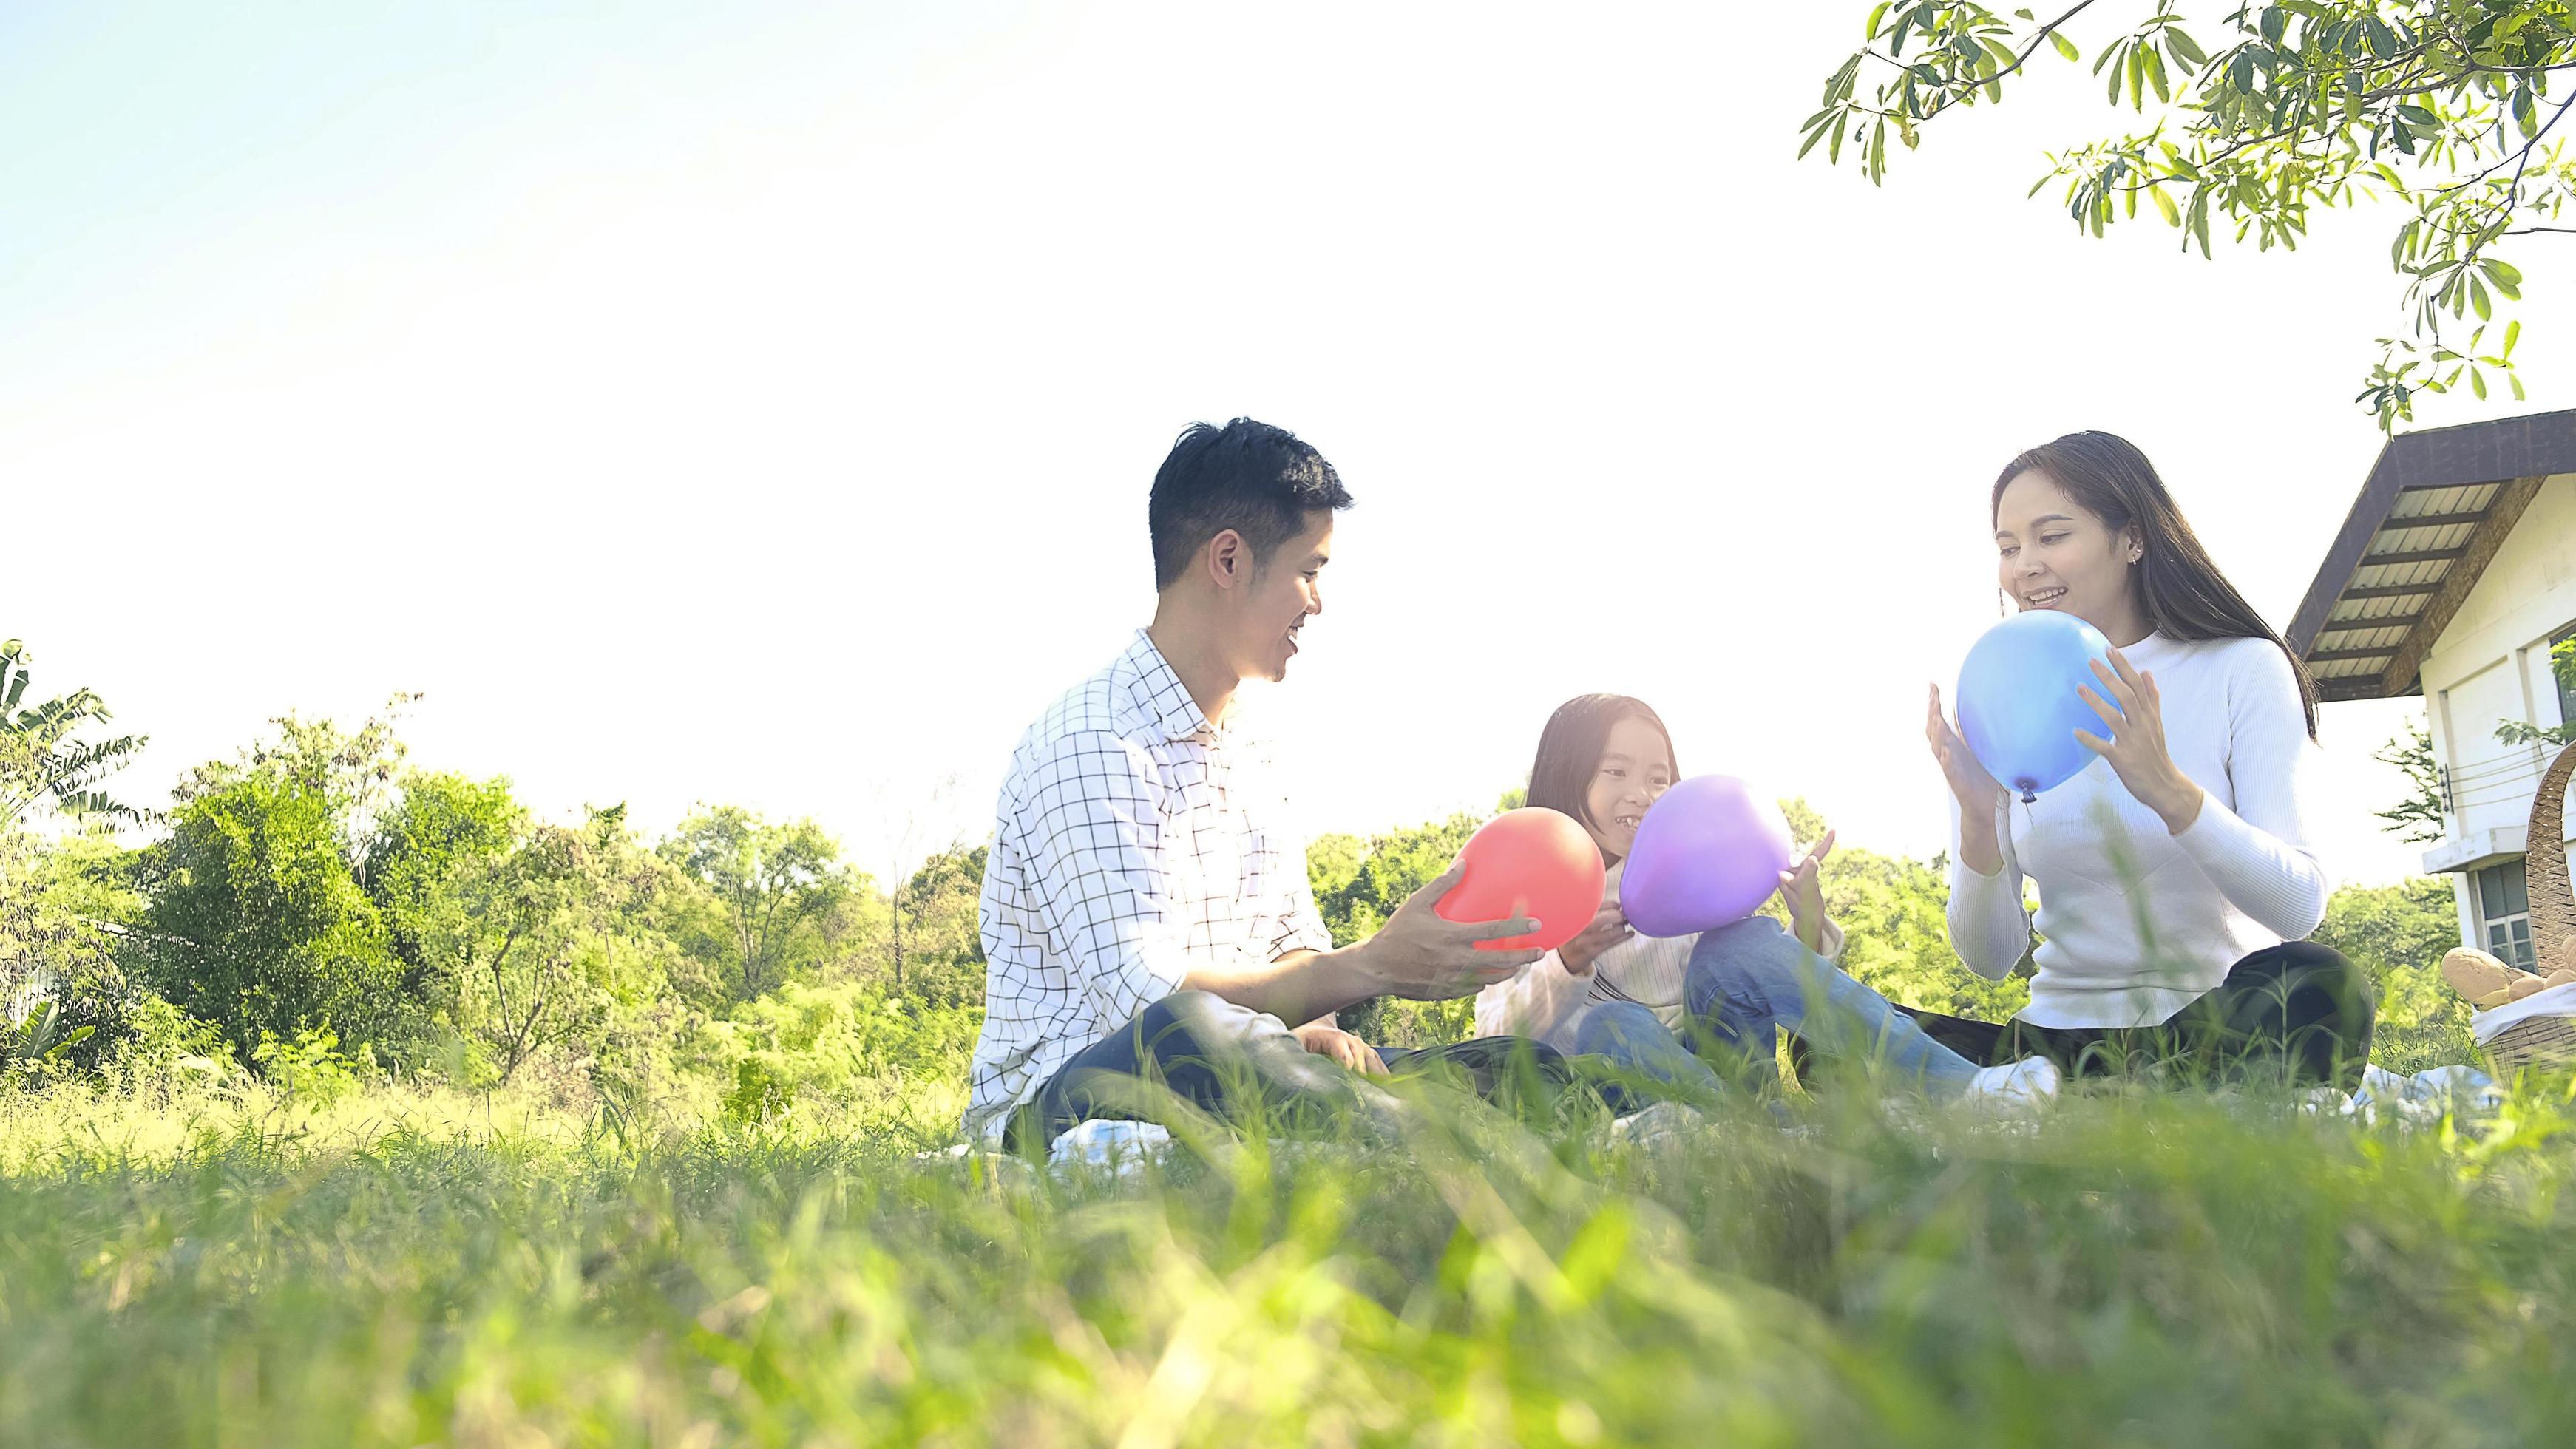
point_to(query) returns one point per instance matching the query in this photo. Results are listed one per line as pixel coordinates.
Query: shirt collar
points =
(1160, 694)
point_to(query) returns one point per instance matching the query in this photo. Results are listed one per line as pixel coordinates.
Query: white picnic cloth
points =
(2555, 1001)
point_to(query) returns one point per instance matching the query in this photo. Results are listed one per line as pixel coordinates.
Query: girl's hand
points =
(1608, 929)
(1976, 789)
(1805, 896)
(2136, 748)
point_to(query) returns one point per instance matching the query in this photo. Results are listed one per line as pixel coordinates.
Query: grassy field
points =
(2150, 1269)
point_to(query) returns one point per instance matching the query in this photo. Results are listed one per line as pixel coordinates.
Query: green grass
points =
(2140, 1269)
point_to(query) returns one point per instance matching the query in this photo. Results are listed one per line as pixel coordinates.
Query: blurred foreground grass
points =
(2139, 1269)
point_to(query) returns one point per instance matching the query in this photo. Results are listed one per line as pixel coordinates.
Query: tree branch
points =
(2037, 39)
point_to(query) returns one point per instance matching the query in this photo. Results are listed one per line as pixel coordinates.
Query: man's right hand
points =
(1418, 955)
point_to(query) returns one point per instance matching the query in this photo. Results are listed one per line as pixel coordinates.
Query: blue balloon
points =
(2018, 709)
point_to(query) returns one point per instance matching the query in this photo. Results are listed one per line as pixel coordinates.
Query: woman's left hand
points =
(1805, 896)
(2136, 747)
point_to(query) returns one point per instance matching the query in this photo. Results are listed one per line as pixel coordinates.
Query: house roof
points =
(2435, 509)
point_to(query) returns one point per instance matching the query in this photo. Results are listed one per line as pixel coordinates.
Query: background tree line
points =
(321, 909)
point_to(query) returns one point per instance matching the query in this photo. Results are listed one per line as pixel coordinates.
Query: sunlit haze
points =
(752, 404)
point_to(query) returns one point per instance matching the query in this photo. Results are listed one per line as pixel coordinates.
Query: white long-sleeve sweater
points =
(2137, 920)
(1547, 1003)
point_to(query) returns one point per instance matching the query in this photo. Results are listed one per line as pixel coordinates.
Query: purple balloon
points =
(1709, 851)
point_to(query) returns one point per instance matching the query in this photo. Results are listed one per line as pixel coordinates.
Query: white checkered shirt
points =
(1135, 843)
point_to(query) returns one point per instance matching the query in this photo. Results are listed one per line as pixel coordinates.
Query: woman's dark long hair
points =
(2180, 589)
(1570, 750)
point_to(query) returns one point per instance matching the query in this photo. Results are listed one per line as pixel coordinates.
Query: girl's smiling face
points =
(1634, 769)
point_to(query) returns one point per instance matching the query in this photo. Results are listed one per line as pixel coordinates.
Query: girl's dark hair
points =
(1571, 746)
(2180, 589)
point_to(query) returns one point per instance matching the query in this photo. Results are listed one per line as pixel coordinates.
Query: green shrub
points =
(309, 1068)
(834, 1042)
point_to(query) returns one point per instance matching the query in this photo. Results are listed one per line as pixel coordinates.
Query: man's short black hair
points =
(1258, 480)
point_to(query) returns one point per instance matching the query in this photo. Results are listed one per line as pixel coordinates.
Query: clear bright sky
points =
(757, 403)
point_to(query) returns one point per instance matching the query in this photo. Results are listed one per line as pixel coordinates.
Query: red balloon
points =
(1528, 862)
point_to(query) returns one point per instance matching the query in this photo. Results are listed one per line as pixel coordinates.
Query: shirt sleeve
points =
(1097, 868)
(2258, 854)
(1301, 926)
(1989, 924)
(1533, 1002)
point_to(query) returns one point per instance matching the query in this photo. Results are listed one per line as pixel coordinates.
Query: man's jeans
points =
(1222, 1058)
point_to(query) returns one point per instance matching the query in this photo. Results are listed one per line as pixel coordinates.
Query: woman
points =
(1609, 993)
(2175, 873)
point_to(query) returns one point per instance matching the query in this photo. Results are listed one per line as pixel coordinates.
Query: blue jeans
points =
(1749, 979)
(1218, 1056)
(1646, 1063)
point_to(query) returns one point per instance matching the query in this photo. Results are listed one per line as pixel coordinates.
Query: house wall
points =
(2492, 664)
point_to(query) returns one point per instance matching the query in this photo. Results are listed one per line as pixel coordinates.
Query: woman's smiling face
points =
(2053, 553)
(1634, 769)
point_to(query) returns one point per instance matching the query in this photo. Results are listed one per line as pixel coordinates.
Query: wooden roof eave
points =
(2515, 452)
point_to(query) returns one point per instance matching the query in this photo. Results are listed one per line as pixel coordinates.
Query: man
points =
(1144, 915)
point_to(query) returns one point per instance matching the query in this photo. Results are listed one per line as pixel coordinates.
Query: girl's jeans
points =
(1749, 979)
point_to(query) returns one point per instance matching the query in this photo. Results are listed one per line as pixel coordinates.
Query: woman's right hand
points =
(1977, 790)
(1980, 842)
(1608, 929)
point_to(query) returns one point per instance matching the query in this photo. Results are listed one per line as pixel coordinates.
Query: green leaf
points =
(1876, 16)
(2478, 299)
(2164, 203)
(2184, 48)
(2065, 47)
(1816, 127)
(2512, 335)
(2478, 383)
(2516, 380)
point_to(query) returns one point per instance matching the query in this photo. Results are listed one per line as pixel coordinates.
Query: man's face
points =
(1278, 599)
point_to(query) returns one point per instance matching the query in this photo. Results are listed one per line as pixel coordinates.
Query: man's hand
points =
(1419, 956)
(1341, 1046)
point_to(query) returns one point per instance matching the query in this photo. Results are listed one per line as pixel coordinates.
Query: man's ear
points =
(1228, 559)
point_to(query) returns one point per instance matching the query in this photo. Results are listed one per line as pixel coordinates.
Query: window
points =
(2504, 910)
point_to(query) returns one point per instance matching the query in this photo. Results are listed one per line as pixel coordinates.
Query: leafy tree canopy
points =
(39, 759)
(2255, 115)
(775, 886)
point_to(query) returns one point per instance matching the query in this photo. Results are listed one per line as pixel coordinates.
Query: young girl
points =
(1603, 759)
(2175, 873)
